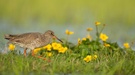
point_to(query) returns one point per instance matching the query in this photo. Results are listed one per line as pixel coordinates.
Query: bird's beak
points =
(57, 38)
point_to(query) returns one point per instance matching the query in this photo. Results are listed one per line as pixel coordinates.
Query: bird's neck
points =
(47, 37)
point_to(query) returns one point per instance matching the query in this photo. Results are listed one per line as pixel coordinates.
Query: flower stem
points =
(102, 28)
(67, 39)
(97, 33)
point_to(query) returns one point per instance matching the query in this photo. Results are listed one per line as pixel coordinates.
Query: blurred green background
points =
(19, 16)
(68, 11)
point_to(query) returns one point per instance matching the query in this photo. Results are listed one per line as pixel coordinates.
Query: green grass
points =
(111, 60)
(72, 63)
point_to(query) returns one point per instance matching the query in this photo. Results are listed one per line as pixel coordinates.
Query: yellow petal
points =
(89, 29)
(126, 45)
(11, 47)
(97, 23)
(103, 37)
(69, 32)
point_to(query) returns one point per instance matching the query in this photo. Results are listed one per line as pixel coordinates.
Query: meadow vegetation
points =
(94, 56)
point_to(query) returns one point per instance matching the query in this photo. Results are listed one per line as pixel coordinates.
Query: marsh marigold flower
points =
(97, 23)
(106, 45)
(88, 58)
(89, 29)
(56, 46)
(126, 45)
(62, 49)
(36, 50)
(103, 37)
(84, 39)
(79, 41)
(48, 47)
(89, 37)
(95, 57)
(49, 54)
(69, 32)
(11, 47)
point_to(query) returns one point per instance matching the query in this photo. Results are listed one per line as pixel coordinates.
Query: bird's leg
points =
(41, 57)
(25, 52)
(32, 53)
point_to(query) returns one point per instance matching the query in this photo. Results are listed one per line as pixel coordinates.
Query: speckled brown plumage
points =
(31, 40)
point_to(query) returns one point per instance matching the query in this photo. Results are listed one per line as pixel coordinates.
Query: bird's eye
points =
(51, 33)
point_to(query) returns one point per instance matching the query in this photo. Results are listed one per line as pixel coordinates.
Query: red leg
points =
(37, 56)
(32, 53)
(41, 57)
(25, 52)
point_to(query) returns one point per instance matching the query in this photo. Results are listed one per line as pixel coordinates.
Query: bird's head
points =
(51, 34)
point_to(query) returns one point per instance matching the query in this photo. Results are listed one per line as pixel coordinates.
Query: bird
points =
(31, 40)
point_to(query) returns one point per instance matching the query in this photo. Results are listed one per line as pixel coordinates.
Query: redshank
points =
(31, 40)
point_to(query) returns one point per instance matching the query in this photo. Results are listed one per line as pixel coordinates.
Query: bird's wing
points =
(26, 37)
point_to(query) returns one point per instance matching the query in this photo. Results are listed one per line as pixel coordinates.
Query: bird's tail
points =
(8, 36)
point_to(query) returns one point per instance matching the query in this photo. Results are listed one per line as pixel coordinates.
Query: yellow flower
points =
(106, 45)
(126, 45)
(89, 37)
(56, 46)
(84, 39)
(62, 49)
(11, 47)
(36, 50)
(88, 58)
(48, 47)
(103, 37)
(95, 57)
(69, 32)
(49, 54)
(97, 23)
(79, 41)
(89, 29)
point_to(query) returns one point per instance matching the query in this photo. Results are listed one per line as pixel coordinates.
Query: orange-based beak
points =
(57, 38)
